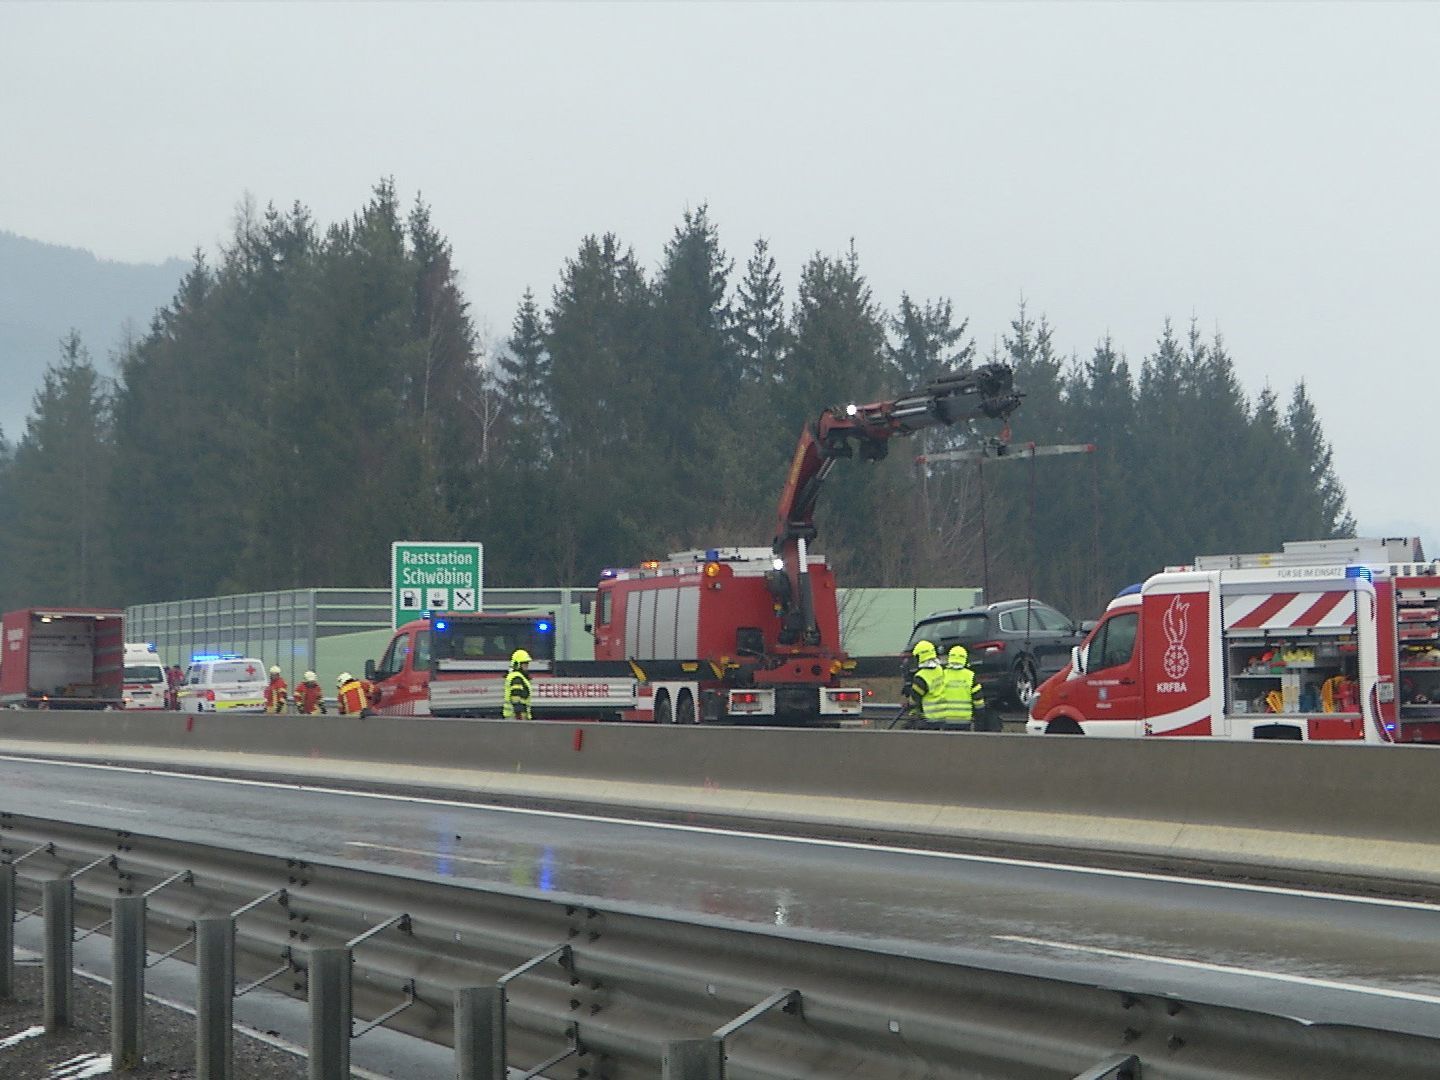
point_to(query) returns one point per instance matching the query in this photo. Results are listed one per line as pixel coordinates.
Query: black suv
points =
(1014, 645)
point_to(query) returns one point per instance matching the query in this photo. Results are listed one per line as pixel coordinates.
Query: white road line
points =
(21, 1036)
(747, 834)
(426, 854)
(105, 806)
(1222, 969)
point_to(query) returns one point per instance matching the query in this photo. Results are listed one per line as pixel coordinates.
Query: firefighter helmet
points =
(309, 676)
(923, 651)
(519, 656)
(274, 669)
(959, 655)
(343, 678)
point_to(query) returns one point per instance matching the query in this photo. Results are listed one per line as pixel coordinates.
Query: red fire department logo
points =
(1176, 622)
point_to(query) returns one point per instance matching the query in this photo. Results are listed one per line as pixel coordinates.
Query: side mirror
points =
(1086, 625)
(1077, 660)
(369, 670)
(585, 605)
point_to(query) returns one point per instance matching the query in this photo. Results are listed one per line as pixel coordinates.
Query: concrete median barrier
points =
(1363, 810)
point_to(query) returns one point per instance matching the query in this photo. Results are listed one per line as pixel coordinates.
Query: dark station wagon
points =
(1014, 645)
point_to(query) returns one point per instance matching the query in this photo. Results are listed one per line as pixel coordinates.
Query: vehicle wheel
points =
(1064, 726)
(685, 710)
(663, 714)
(1025, 685)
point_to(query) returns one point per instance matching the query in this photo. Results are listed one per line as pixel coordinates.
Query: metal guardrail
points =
(557, 987)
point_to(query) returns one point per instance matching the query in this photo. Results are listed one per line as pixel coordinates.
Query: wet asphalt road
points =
(1324, 958)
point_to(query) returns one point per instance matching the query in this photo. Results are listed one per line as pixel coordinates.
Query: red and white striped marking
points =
(1291, 610)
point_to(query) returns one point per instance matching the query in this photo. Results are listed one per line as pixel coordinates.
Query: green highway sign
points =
(434, 575)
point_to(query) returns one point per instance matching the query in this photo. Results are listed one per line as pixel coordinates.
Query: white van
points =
(225, 682)
(144, 684)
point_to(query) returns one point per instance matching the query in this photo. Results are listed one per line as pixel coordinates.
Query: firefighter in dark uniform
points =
(517, 687)
(923, 691)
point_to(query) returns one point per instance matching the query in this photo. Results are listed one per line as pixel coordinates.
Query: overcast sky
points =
(1270, 170)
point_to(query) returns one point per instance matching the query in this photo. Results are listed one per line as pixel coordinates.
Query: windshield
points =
(244, 671)
(494, 640)
(140, 673)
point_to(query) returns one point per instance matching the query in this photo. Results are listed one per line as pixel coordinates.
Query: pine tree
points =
(605, 489)
(1327, 515)
(525, 378)
(1101, 396)
(57, 484)
(838, 356)
(926, 341)
(697, 372)
(761, 336)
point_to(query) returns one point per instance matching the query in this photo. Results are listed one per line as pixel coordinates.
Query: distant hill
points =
(46, 290)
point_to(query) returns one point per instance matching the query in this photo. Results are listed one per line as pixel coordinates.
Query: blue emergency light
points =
(441, 624)
(1362, 572)
(542, 626)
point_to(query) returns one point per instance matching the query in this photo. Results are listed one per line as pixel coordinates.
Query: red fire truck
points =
(1326, 640)
(718, 635)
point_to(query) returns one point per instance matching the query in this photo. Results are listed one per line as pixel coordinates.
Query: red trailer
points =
(63, 658)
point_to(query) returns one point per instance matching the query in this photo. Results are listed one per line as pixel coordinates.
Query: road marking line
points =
(426, 854)
(104, 806)
(747, 834)
(1222, 969)
(21, 1036)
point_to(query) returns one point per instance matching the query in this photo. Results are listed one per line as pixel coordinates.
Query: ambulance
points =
(144, 680)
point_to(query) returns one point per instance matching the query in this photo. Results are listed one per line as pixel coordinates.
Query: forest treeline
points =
(317, 393)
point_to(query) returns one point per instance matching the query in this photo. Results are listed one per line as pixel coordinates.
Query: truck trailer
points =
(62, 658)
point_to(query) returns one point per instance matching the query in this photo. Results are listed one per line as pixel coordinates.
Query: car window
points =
(1114, 643)
(135, 673)
(394, 658)
(955, 628)
(195, 674)
(422, 651)
(1050, 619)
(1022, 620)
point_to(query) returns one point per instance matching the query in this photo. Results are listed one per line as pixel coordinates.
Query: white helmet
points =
(342, 678)
(309, 676)
(274, 669)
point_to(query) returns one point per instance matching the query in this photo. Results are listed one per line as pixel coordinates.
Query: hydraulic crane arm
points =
(984, 392)
(1002, 451)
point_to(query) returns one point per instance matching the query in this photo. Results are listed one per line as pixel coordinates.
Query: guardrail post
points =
(59, 906)
(215, 1004)
(480, 1033)
(693, 1059)
(127, 986)
(7, 930)
(330, 1015)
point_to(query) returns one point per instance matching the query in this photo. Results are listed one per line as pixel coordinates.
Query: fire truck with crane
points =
(717, 635)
